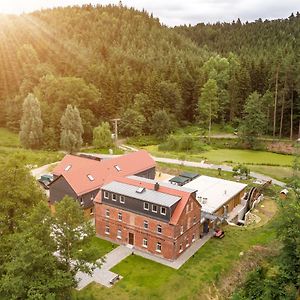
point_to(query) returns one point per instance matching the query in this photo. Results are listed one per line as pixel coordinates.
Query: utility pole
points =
(115, 121)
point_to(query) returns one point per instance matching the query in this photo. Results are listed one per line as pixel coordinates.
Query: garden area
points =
(145, 279)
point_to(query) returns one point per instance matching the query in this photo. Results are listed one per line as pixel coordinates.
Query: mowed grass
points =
(98, 248)
(248, 157)
(231, 156)
(145, 279)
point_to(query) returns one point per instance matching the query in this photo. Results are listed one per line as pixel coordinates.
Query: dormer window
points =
(117, 168)
(90, 177)
(106, 195)
(163, 211)
(154, 208)
(68, 167)
(114, 197)
(146, 206)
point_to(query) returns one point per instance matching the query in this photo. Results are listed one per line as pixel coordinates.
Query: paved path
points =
(102, 275)
(38, 172)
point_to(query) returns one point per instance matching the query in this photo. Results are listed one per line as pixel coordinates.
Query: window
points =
(180, 248)
(81, 201)
(122, 199)
(187, 243)
(107, 213)
(114, 197)
(187, 208)
(146, 224)
(194, 220)
(68, 167)
(119, 234)
(91, 211)
(159, 229)
(106, 195)
(154, 208)
(140, 190)
(146, 206)
(192, 205)
(193, 238)
(90, 177)
(145, 243)
(163, 211)
(117, 168)
(181, 229)
(120, 216)
(106, 229)
(158, 247)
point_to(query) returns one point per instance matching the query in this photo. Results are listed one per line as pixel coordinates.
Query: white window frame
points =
(187, 243)
(114, 197)
(146, 226)
(91, 211)
(107, 213)
(187, 208)
(106, 195)
(194, 220)
(159, 226)
(122, 199)
(180, 248)
(145, 243)
(161, 210)
(158, 247)
(181, 229)
(120, 216)
(119, 234)
(154, 205)
(193, 237)
(107, 229)
(146, 204)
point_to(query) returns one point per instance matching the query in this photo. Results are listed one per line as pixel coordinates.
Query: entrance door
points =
(131, 238)
(205, 227)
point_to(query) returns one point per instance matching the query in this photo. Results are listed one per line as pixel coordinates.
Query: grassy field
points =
(97, 248)
(231, 156)
(8, 138)
(9, 144)
(144, 279)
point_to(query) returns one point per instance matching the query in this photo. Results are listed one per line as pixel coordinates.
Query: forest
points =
(114, 61)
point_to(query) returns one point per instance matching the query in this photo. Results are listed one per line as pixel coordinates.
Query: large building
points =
(155, 217)
(219, 198)
(82, 177)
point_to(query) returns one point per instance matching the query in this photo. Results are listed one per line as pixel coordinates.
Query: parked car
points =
(219, 233)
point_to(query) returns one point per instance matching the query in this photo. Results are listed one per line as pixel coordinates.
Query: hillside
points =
(112, 61)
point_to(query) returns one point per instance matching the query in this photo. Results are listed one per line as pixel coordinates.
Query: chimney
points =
(156, 186)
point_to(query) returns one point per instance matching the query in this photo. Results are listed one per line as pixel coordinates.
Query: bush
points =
(181, 143)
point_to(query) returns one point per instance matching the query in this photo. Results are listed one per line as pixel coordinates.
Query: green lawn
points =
(97, 248)
(8, 138)
(144, 279)
(231, 156)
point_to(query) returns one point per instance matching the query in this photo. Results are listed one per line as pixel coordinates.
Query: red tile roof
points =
(185, 196)
(85, 174)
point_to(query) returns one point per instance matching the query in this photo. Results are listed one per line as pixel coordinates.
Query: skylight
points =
(90, 177)
(68, 167)
(117, 168)
(140, 190)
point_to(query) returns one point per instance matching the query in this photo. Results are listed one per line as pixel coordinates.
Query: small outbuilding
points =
(283, 194)
(179, 180)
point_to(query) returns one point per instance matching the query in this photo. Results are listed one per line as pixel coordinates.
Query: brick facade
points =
(172, 239)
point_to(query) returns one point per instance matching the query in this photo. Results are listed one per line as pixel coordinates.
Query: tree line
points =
(112, 61)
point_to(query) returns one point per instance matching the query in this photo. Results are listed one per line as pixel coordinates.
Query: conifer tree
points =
(71, 130)
(31, 133)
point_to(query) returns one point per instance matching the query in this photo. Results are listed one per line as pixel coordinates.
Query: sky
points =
(177, 12)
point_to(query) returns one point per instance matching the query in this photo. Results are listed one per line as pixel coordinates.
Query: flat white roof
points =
(212, 193)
